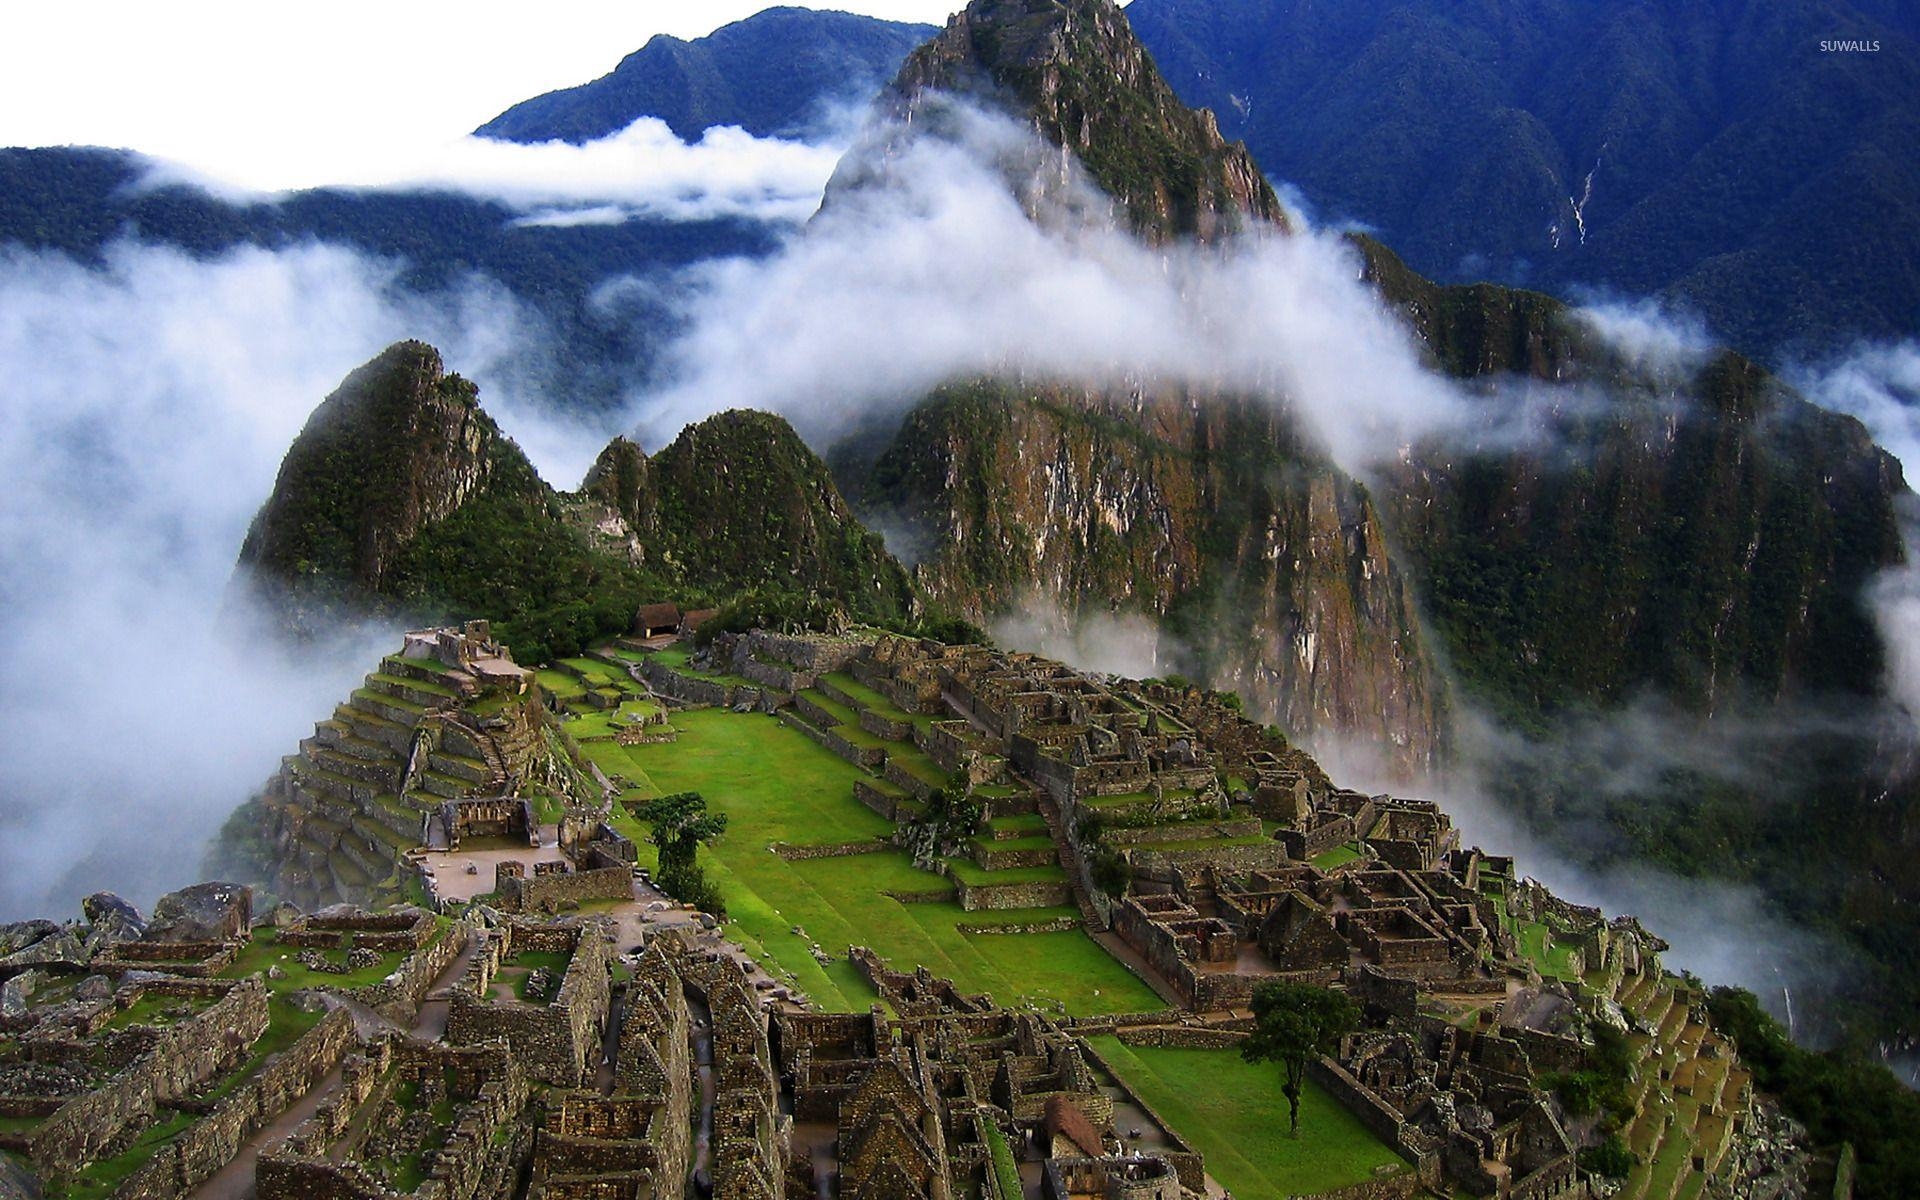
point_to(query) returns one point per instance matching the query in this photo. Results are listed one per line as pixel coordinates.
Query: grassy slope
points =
(1235, 1115)
(777, 786)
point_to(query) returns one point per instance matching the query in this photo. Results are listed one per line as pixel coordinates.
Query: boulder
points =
(205, 912)
(94, 987)
(109, 918)
(21, 934)
(14, 993)
(61, 950)
(283, 915)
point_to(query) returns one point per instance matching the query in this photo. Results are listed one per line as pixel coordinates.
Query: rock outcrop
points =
(401, 498)
(1075, 72)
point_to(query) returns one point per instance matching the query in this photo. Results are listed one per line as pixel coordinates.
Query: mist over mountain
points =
(1054, 357)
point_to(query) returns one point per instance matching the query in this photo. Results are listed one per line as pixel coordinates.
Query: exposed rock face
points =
(1209, 512)
(397, 448)
(205, 912)
(1268, 566)
(111, 918)
(1076, 73)
(1708, 534)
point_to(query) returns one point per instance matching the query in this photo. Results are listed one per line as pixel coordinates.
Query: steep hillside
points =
(1722, 154)
(772, 74)
(1706, 534)
(1269, 568)
(1075, 501)
(1075, 71)
(402, 497)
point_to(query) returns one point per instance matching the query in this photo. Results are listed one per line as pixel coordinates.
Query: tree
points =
(1293, 1023)
(952, 816)
(680, 823)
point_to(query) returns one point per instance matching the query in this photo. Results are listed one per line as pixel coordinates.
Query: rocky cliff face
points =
(1707, 534)
(1267, 568)
(1073, 70)
(397, 448)
(402, 498)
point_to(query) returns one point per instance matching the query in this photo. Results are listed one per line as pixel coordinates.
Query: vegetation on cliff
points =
(402, 497)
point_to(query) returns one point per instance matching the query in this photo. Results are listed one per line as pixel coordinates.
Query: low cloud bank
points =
(642, 171)
(940, 274)
(148, 403)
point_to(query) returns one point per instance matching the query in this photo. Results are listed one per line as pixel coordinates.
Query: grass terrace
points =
(1538, 944)
(1234, 1113)
(778, 786)
(680, 659)
(265, 951)
(874, 702)
(1339, 856)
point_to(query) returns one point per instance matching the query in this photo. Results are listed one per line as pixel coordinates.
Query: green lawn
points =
(1234, 1114)
(1537, 944)
(679, 658)
(776, 785)
(1339, 856)
(266, 951)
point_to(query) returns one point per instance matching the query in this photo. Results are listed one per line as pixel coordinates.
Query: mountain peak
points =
(1075, 70)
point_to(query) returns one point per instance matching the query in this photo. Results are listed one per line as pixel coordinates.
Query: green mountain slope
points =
(402, 497)
(1713, 153)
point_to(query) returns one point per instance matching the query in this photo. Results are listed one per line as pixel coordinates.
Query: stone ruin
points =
(911, 1105)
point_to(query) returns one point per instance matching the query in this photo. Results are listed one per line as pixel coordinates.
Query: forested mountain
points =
(772, 75)
(1722, 155)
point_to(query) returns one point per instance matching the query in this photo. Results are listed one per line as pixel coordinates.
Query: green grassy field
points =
(775, 785)
(1234, 1114)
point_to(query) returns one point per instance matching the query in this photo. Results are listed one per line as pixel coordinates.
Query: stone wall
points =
(550, 892)
(867, 758)
(398, 996)
(1182, 1037)
(976, 897)
(210, 1143)
(184, 1057)
(1379, 1117)
(793, 853)
(558, 1042)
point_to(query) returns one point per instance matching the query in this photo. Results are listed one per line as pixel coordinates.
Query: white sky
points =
(275, 95)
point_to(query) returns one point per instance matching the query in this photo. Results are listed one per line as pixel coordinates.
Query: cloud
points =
(942, 274)
(1879, 383)
(147, 403)
(1649, 336)
(642, 171)
(1128, 644)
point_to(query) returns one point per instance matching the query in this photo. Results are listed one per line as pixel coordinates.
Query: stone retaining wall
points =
(974, 897)
(551, 892)
(864, 757)
(212, 1142)
(793, 853)
(1182, 1037)
(185, 1056)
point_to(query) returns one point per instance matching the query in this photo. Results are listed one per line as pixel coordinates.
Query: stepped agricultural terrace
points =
(1046, 1002)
